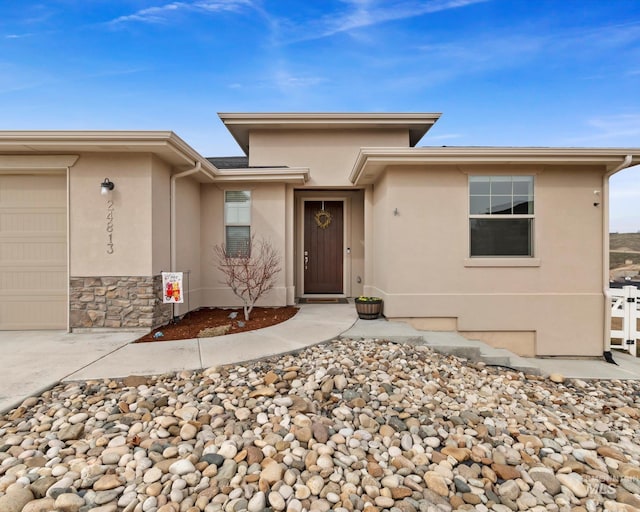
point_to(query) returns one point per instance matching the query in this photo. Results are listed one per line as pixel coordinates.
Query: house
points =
(504, 244)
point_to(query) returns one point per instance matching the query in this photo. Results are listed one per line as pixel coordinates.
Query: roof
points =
(60, 148)
(241, 124)
(372, 161)
(237, 169)
(239, 163)
(165, 144)
(230, 162)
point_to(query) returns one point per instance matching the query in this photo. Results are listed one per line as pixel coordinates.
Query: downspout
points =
(608, 357)
(173, 228)
(68, 179)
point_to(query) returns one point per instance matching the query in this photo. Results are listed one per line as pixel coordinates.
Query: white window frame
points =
(228, 223)
(506, 259)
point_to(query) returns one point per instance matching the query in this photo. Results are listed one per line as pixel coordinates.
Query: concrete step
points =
(443, 342)
(476, 350)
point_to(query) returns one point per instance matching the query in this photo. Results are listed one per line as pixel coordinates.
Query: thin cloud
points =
(282, 80)
(106, 73)
(162, 13)
(618, 126)
(443, 62)
(285, 80)
(614, 130)
(607, 36)
(485, 52)
(15, 78)
(366, 13)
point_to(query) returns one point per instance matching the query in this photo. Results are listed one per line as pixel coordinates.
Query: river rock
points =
(40, 505)
(69, 502)
(182, 467)
(272, 471)
(436, 483)
(106, 483)
(546, 478)
(346, 425)
(15, 500)
(276, 501)
(574, 483)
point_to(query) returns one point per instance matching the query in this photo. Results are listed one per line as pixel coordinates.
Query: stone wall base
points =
(117, 302)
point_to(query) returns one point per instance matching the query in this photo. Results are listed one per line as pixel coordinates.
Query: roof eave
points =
(292, 175)
(372, 161)
(166, 144)
(241, 124)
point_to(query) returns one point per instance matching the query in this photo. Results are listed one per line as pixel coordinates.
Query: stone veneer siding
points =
(116, 302)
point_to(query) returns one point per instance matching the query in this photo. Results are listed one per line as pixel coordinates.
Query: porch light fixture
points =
(106, 186)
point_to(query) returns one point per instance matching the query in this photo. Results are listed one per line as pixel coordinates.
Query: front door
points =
(323, 246)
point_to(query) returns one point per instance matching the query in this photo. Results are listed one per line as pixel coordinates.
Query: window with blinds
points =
(237, 220)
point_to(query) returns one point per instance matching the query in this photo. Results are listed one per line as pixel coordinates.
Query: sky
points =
(502, 72)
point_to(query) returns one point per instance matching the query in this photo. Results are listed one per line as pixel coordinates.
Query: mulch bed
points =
(215, 319)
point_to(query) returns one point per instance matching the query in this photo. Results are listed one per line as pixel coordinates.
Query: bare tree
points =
(251, 272)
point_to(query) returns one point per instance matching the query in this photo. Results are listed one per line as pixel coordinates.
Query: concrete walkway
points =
(33, 361)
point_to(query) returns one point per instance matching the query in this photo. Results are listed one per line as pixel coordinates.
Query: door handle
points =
(306, 259)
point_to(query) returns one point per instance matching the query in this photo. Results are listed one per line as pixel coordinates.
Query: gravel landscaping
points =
(349, 425)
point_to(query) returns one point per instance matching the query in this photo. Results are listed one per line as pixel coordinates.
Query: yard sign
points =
(172, 288)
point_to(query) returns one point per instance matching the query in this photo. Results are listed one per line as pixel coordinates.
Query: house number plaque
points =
(110, 227)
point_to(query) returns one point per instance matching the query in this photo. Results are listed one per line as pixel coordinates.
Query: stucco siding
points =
(268, 219)
(187, 250)
(328, 155)
(357, 246)
(161, 216)
(570, 230)
(378, 227)
(422, 266)
(131, 212)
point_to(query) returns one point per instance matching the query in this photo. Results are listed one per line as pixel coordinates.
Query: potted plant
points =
(368, 308)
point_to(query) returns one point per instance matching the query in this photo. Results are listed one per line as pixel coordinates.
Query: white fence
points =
(624, 305)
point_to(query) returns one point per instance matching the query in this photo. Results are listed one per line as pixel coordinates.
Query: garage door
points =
(33, 252)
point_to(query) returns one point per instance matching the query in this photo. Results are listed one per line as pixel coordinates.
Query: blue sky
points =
(502, 72)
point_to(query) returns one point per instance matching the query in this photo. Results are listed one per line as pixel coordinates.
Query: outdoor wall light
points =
(106, 186)
(596, 198)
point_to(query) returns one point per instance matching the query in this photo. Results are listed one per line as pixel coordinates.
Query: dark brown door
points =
(323, 254)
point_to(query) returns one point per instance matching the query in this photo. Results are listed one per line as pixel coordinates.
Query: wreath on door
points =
(323, 218)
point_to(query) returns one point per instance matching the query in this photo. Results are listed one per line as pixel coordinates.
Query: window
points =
(501, 215)
(237, 220)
